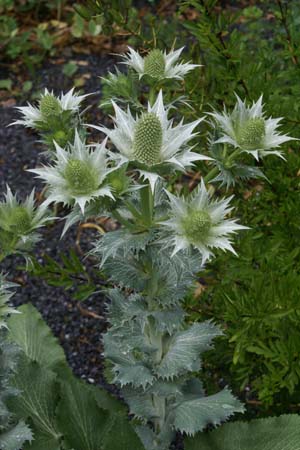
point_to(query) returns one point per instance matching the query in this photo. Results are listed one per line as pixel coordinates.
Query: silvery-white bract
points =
(152, 141)
(65, 102)
(200, 222)
(158, 64)
(78, 174)
(248, 129)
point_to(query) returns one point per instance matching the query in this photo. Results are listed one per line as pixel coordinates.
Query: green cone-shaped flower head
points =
(50, 106)
(20, 220)
(157, 64)
(252, 133)
(154, 64)
(247, 128)
(200, 223)
(197, 225)
(80, 177)
(147, 141)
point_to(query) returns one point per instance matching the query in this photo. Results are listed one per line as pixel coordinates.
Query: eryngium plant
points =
(162, 242)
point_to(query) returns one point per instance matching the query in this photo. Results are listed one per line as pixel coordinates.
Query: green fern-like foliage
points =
(282, 433)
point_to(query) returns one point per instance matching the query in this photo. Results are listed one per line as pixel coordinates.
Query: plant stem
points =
(147, 204)
(210, 175)
(121, 219)
(152, 93)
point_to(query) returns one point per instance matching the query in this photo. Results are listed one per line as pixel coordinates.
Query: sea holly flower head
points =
(19, 222)
(247, 128)
(151, 140)
(49, 106)
(158, 64)
(200, 222)
(79, 174)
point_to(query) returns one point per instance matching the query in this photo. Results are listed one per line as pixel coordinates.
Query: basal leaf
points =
(274, 433)
(37, 398)
(80, 419)
(34, 337)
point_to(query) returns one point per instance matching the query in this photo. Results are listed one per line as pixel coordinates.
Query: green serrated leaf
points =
(185, 349)
(15, 437)
(34, 337)
(280, 433)
(194, 415)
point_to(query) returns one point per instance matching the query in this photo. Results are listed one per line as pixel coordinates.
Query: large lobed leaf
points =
(34, 337)
(37, 399)
(275, 433)
(65, 413)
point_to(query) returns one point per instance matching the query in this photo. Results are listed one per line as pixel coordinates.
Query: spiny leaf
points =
(185, 349)
(195, 414)
(15, 437)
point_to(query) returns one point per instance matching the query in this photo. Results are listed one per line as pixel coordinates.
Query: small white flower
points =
(200, 222)
(248, 129)
(78, 175)
(158, 64)
(19, 222)
(152, 141)
(49, 105)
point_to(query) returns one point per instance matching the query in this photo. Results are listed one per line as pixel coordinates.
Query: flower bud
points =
(50, 106)
(80, 177)
(252, 133)
(20, 220)
(197, 225)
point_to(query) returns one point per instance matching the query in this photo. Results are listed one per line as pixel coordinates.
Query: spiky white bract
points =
(19, 222)
(247, 128)
(78, 174)
(158, 64)
(32, 115)
(199, 222)
(151, 140)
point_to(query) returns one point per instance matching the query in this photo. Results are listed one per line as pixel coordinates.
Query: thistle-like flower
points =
(49, 106)
(78, 175)
(248, 129)
(158, 64)
(200, 222)
(151, 141)
(19, 222)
